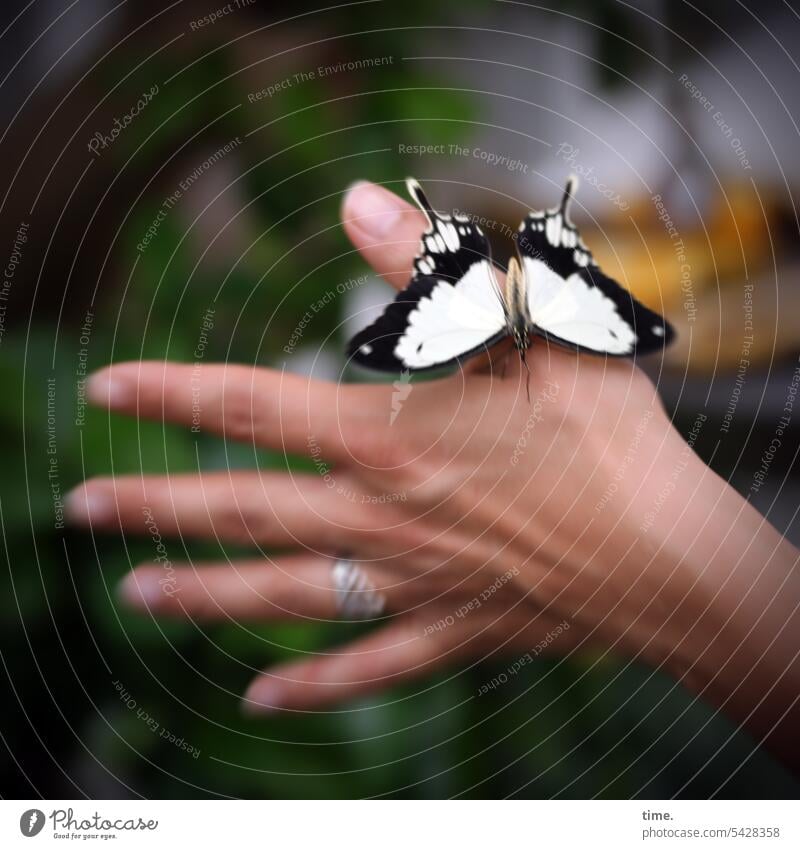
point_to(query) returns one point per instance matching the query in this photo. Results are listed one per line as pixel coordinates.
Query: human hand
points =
(471, 488)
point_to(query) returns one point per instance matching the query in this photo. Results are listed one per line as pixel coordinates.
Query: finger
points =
(385, 228)
(291, 587)
(241, 507)
(391, 655)
(404, 651)
(267, 407)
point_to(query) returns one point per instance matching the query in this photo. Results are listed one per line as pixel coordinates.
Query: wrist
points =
(730, 626)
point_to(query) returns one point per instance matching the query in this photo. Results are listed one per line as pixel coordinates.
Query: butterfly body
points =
(454, 307)
(518, 318)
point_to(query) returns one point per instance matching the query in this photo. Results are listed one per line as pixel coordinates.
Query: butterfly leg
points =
(523, 350)
(527, 377)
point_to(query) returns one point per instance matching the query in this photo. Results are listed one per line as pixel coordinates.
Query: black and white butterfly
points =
(454, 308)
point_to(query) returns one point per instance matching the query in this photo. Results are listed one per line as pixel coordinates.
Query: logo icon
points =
(402, 389)
(31, 822)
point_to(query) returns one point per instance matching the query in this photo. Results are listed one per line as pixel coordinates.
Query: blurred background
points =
(164, 160)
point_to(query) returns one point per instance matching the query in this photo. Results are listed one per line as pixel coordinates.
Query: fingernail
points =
(373, 209)
(141, 591)
(86, 504)
(105, 389)
(262, 698)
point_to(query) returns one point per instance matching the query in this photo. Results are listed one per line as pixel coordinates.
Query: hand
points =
(552, 503)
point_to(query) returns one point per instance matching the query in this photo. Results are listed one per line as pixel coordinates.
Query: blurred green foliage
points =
(574, 728)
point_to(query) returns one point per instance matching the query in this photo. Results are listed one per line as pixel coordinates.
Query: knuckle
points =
(242, 414)
(239, 524)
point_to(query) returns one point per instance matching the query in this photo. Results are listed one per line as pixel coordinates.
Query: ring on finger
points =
(356, 596)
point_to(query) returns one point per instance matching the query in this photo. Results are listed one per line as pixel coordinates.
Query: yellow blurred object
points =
(650, 255)
(695, 271)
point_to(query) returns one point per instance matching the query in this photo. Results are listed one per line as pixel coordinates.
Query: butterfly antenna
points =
(569, 193)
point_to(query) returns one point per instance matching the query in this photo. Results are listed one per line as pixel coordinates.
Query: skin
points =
(544, 501)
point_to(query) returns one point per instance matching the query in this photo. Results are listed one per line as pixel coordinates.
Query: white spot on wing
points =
(449, 235)
(553, 229)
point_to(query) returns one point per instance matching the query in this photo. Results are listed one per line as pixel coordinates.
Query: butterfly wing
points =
(433, 323)
(451, 244)
(451, 310)
(571, 301)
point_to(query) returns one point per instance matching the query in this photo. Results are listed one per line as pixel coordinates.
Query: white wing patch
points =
(575, 311)
(452, 320)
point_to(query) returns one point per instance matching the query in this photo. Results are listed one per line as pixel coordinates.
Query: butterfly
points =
(454, 308)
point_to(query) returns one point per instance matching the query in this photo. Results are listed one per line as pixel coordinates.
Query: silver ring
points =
(356, 597)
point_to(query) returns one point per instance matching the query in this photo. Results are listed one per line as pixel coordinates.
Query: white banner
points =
(401, 824)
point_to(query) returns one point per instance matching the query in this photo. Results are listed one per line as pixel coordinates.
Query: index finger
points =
(269, 408)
